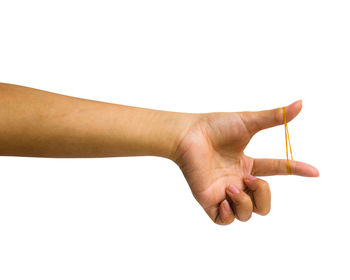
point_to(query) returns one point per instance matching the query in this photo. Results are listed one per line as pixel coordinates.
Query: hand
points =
(221, 177)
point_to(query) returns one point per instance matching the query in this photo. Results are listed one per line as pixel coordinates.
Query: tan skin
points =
(208, 148)
(212, 159)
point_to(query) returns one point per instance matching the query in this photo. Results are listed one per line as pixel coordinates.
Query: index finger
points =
(268, 167)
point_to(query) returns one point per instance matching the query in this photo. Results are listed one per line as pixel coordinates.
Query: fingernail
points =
(250, 178)
(227, 206)
(233, 189)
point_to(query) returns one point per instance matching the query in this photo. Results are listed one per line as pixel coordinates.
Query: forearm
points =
(43, 124)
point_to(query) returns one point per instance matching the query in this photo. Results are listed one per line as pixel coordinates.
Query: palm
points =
(214, 159)
(212, 155)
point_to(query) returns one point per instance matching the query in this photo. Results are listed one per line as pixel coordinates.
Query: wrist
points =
(178, 126)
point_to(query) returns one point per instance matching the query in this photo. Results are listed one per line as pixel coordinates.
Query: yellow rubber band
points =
(286, 135)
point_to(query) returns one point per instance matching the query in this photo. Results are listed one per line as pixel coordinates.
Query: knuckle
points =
(245, 200)
(263, 212)
(278, 115)
(229, 221)
(222, 222)
(245, 218)
(280, 165)
(264, 185)
(276, 165)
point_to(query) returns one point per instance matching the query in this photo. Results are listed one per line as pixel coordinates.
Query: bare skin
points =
(208, 148)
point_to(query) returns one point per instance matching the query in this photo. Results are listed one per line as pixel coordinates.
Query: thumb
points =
(256, 121)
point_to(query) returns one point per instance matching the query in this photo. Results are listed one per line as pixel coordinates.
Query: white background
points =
(135, 218)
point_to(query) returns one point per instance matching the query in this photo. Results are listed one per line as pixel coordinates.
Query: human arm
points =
(208, 148)
(43, 124)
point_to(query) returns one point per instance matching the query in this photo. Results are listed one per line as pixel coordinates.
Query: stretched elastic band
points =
(286, 134)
